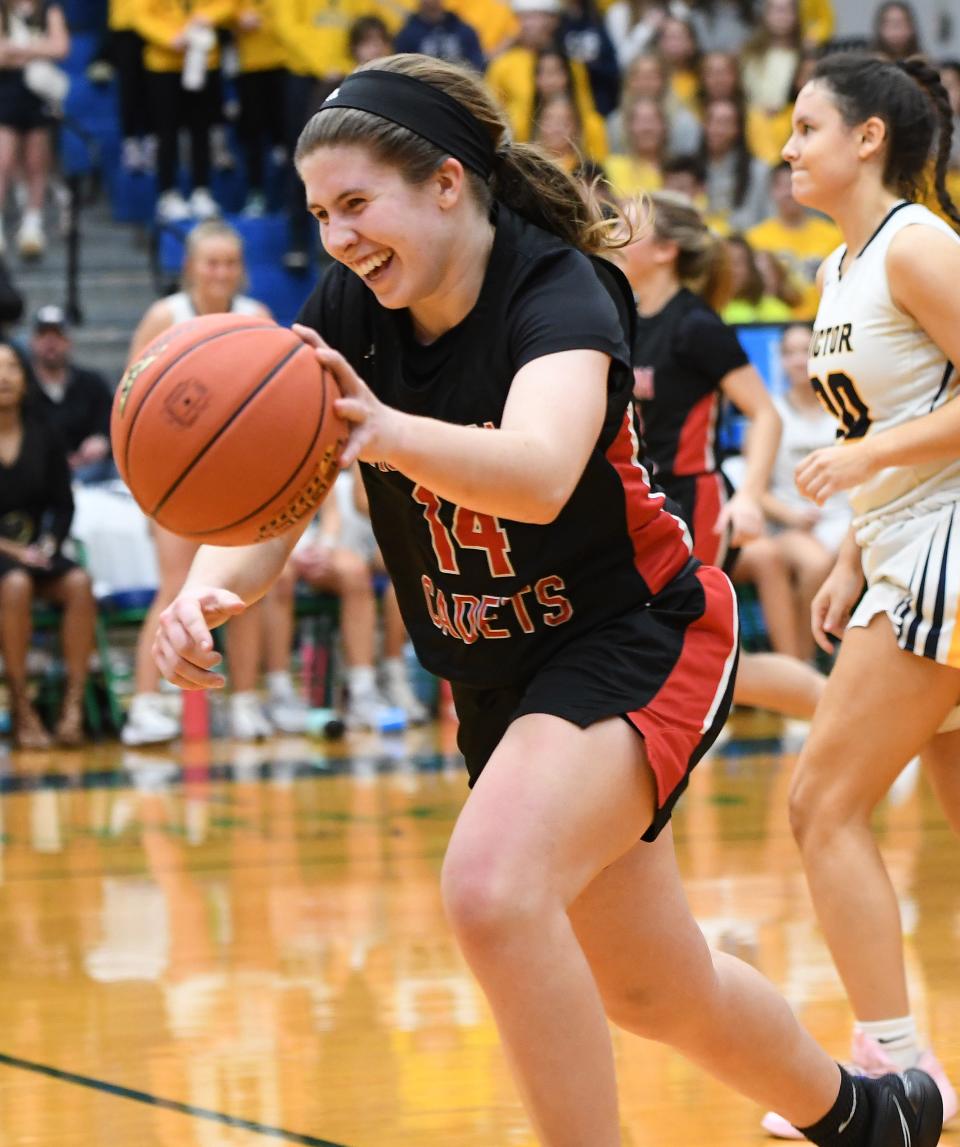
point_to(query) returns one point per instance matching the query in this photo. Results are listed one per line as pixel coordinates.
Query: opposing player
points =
(592, 657)
(885, 339)
(686, 361)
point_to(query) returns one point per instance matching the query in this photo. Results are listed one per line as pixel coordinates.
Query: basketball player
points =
(686, 359)
(592, 656)
(885, 337)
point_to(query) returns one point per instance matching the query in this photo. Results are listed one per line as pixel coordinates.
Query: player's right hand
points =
(183, 647)
(831, 608)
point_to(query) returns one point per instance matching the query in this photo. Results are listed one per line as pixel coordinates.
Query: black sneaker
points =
(907, 1110)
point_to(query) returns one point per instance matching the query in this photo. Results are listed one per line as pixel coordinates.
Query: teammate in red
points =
(485, 364)
(686, 361)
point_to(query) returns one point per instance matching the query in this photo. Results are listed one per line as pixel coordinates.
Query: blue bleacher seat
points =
(83, 45)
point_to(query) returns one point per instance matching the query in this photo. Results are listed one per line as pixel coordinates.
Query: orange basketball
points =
(224, 429)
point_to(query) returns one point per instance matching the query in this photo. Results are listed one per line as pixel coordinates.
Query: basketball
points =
(224, 430)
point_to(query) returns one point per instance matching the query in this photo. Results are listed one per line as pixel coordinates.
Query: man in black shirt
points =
(75, 400)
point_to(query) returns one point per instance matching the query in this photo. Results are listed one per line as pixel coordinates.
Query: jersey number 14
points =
(471, 531)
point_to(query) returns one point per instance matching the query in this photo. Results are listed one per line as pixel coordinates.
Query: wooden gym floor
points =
(248, 947)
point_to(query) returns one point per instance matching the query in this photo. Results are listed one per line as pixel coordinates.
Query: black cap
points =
(50, 317)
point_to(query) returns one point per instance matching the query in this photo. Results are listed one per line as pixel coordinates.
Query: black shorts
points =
(701, 497)
(59, 565)
(667, 669)
(21, 109)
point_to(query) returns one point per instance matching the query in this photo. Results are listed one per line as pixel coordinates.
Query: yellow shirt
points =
(121, 15)
(684, 85)
(258, 49)
(493, 21)
(314, 35)
(629, 176)
(160, 22)
(802, 249)
(768, 132)
(817, 20)
(511, 78)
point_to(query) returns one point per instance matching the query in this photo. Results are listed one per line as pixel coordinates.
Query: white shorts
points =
(912, 567)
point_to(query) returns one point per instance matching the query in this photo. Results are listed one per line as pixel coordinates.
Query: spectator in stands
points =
(261, 87)
(816, 22)
(639, 167)
(74, 400)
(685, 175)
(790, 562)
(182, 60)
(895, 31)
(737, 183)
(633, 26)
(316, 37)
(555, 76)
(513, 76)
(11, 300)
(678, 47)
(722, 25)
(434, 31)
(770, 57)
(32, 36)
(494, 21)
(647, 77)
(125, 49)
(750, 302)
(720, 78)
(36, 509)
(585, 38)
(369, 39)
(213, 275)
(559, 133)
(799, 238)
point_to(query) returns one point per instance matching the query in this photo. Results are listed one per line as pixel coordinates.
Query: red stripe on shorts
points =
(675, 720)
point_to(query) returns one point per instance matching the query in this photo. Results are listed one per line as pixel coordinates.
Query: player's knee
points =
(484, 901)
(817, 810)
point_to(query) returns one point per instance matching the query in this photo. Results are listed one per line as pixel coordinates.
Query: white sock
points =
(279, 683)
(394, 669)
(361, 680)
(898, 1038)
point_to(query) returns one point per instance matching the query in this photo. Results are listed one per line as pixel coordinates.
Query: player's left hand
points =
(742, 514)
(372, 422)
(831, 469)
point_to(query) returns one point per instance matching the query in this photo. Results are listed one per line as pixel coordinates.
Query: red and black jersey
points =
(486, 600)
(680, 357)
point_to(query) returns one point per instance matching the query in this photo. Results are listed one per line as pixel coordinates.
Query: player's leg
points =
(941, 762)
(658, 979)
(543, 819)
(858, 743)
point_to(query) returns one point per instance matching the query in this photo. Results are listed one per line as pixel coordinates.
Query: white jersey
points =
(182, 308)
(874, 367)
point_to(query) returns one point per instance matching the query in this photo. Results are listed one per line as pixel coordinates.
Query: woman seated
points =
(36, 509)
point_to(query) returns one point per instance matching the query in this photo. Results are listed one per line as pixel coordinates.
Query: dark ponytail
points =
(523, 178)
(929, 79)
(913, 103)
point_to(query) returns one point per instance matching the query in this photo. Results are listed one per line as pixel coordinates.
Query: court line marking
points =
(167, 1104)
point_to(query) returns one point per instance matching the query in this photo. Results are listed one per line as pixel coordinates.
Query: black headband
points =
(420, 108)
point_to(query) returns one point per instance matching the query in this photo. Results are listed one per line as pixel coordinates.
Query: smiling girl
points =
(591, 656)
(885, 339)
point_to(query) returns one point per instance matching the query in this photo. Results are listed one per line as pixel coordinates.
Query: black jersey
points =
(486, 600)
(680, 356)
